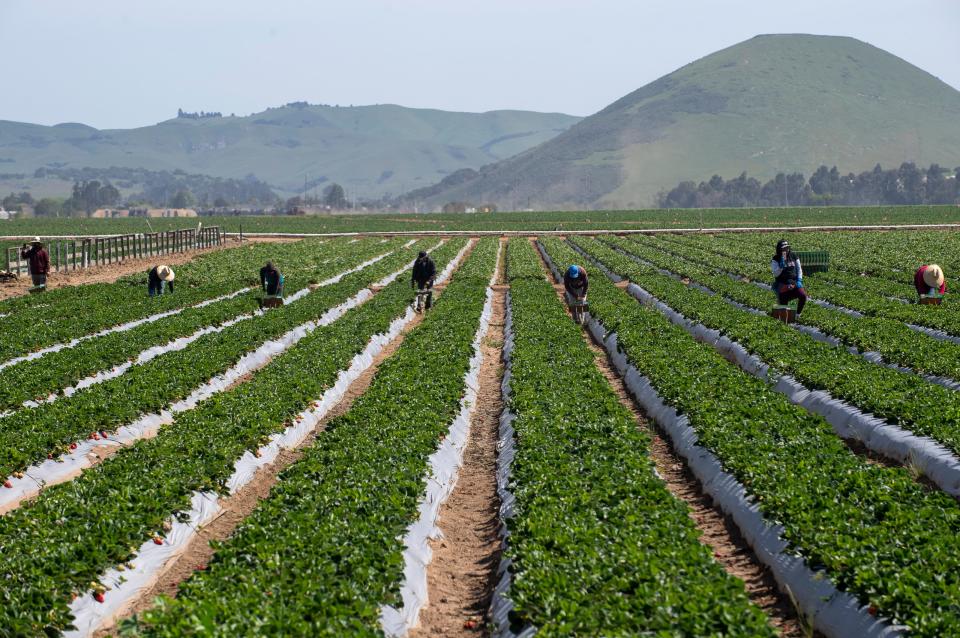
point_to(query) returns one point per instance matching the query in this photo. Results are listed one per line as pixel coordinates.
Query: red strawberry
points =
(98, 596)
(872, 610)
(7, 484)
(103, 434)
(95, 437)
(50, 456)
(157, 540)
(73, 446)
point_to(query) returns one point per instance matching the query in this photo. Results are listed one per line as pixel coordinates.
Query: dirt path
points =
(240, 505)
(717, 531)
(462, 574)
(101, 274)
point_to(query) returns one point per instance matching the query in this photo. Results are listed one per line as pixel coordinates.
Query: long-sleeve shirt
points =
(154, 280)
(37, 259)
(921, 285)
(576, 286)
(270, 279)
(787, 272)
(424, 270)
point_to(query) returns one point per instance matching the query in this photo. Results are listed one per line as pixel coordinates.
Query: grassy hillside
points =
(773, 103)
(371, 150)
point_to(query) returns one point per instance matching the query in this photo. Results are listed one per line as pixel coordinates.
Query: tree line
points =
(905, 185)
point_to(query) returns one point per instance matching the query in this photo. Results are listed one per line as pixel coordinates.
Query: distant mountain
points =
(773, 103)
(370, 150)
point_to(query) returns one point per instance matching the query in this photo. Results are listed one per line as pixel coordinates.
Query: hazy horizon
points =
(122, 65)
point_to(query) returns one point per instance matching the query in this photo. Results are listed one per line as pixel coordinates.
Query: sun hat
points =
(165, 273)
(36, 240)
(574, 271)
(933, 276)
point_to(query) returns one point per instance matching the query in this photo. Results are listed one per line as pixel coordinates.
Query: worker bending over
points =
(158, 279)
(38, 261)
(575, 283)
(424, 272)
(271, 280)
(788, 276)
(929, 280)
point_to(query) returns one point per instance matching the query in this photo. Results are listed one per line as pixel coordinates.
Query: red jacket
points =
(38, 260)
(921, 285)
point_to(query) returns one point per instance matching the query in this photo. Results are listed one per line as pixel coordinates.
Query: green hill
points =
(370, 150)
(773, 103)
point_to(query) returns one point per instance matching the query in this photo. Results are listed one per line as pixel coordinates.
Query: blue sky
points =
(126, 63)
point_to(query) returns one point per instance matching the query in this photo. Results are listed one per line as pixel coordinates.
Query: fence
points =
(74, 254)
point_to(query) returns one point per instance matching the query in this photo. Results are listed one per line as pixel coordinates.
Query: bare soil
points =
(235, 508)
(100, 274)
(462, 574)
(717, 531)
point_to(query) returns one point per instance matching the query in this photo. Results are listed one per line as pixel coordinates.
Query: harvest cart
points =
(421, 301)
(814, 260)
(784, 313)
(931, 300)
(275, 300)
(578, 308)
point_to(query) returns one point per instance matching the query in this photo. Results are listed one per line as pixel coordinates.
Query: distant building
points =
(166, 212)
(109, 213)
(5, 214)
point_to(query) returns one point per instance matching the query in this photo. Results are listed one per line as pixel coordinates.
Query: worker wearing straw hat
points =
(159, 278)
(929, 280)
(37, 260)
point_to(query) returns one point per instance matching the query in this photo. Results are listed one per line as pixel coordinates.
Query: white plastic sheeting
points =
(923, 453)
(120, 328)
(125, 586)
(66, 467)
(500, 603)
(936, 334)
(834, 613)
(444, 467)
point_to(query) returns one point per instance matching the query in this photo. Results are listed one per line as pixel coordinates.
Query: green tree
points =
(183, 199)
(48, 207)
(334, 196)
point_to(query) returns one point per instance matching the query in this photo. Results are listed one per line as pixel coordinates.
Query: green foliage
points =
(598, 545)
(324, 552)
(875, 532)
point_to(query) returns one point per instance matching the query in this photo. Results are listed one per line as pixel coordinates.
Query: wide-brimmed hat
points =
(165, 273)
(933, 276)
(36, 240)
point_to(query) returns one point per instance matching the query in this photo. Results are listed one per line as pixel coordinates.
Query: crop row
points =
(896, 342)
(852, 297)
(324, 553)
(31, 434)
(56, 544)
(874, 531)
(38, 378)
(598, 545)
(82, 310)
(901, 398)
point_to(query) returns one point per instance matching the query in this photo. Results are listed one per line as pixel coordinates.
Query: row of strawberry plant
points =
(726, 247)
(892, 339)
(324, 552)
(38, 378)
(903, 399)
(873, 530)
(31, 434)
(55, 545)
(940, 317)
(573, 437)
(85, 309)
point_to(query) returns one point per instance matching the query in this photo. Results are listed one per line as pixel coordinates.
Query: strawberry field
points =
(194, 465)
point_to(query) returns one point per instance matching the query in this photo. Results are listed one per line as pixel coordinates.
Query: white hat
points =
(165, 273)
(933, 276)
(36, 240)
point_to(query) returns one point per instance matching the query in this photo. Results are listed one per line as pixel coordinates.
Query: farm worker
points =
(158, 279)
(788, 274)
(424, 272)
(575, 283)
(930, 280)
(271, 280)
(38, 261)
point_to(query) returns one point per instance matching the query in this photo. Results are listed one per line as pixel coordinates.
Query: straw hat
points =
(165, 273)
(36, 240)
(933, 276)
